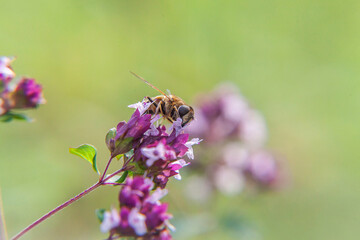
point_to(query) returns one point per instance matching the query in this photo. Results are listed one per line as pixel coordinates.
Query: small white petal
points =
(137, 222)
(169, 225)
(157, 195)
(154, 153)
(111, 220)
(150, 161)
(177, 176)
(189, 144)
(153, 131)
(6, 72)
(141, 106)
(177, 126)
(182, 163)
(6, 60)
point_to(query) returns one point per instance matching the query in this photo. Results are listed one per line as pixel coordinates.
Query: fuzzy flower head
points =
(20, 93)
(235, 134)
(225, 114)
(240, 168)
(263, 168)
(27, 94)
(141, 213)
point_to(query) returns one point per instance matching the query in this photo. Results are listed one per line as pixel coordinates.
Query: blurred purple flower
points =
(27, 94)
(235, 135)
(228, 180)
(225, 114)
(262, 167)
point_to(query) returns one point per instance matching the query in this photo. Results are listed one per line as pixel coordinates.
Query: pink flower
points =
(27, 94)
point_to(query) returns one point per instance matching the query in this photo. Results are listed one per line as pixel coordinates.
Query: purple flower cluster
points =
(224, 115)
(141, 213)
(152, 154)
(239, 166)
(233, 156)
(17, 94)
(158, 154)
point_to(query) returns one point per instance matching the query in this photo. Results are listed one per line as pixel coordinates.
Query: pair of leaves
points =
(9, 116)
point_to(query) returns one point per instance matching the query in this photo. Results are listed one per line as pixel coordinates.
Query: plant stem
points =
(58, 208)
(118, 171)
(102, 181)
(106, 168)
(3, 231)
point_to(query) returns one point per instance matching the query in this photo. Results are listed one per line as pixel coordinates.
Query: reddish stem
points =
(119, 171)
(106, 168)
(55, 210)
(102, 181)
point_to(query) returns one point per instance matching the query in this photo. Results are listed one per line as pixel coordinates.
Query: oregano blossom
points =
(23, 93)
(141, 213)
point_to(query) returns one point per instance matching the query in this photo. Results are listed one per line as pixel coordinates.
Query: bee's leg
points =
(169, 119)
(157, 108)
(149, 98)
(160, 108)
(153, 106)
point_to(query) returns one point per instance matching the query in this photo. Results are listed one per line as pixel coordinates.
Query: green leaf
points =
(100, 214)
(87, 152)
(123, 177)
(8, 117)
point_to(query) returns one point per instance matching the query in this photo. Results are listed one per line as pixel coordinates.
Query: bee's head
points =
(186, 114)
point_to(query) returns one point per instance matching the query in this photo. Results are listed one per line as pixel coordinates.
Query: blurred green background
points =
(296, 61)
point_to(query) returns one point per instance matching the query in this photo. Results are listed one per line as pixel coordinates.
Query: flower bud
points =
(110, 139)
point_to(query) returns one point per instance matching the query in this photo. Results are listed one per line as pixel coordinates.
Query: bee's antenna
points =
(150, 84)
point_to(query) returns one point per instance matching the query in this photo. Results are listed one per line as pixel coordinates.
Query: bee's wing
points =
(168, 91)
(150, 85)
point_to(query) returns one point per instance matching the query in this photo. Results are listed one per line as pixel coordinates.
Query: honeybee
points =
(169, 106)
